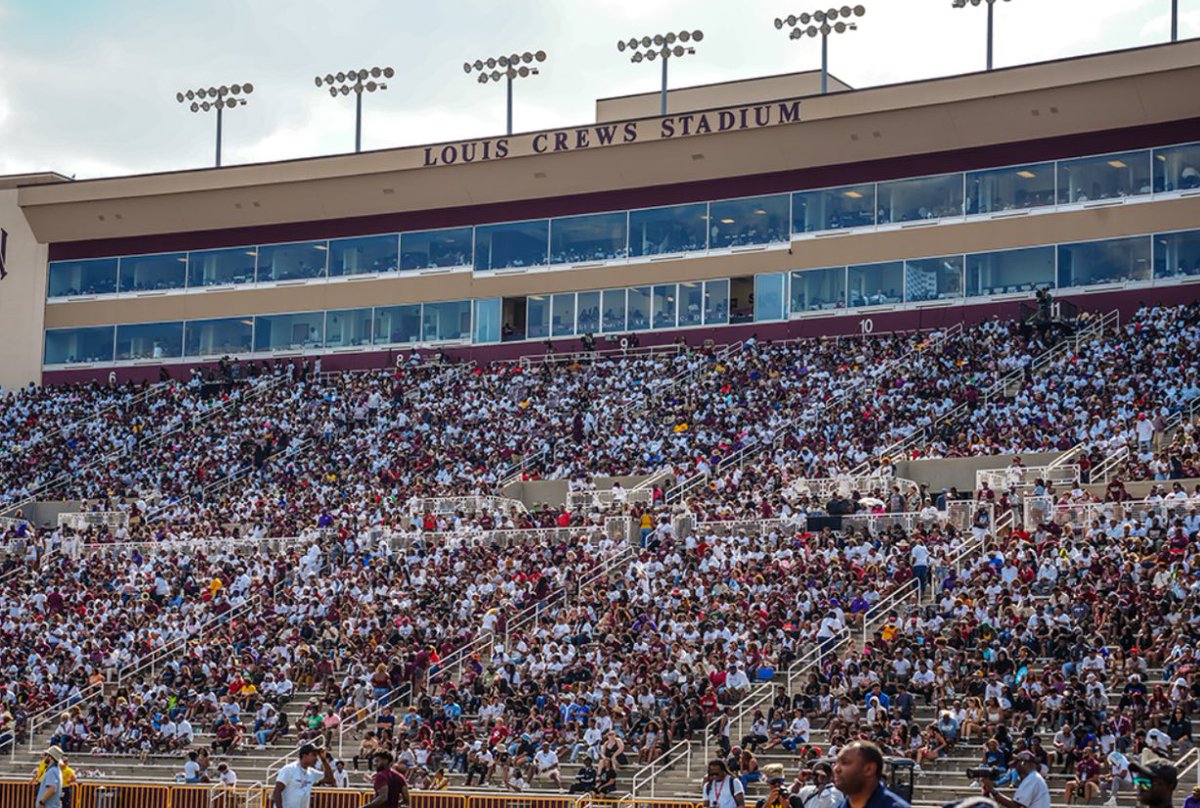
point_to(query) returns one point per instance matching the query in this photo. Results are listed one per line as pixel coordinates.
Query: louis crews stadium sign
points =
(671, 127)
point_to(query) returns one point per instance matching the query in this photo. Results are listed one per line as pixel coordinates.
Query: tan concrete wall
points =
(22, 298)
(710, 96)
(960, 471)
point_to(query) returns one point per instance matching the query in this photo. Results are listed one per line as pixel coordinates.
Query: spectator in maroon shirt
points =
(391, 789)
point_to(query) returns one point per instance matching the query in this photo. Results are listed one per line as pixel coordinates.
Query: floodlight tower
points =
(822, 24)
(991, 7)
(661, 46)
(510, 67)
(218, 98)
(358, 82)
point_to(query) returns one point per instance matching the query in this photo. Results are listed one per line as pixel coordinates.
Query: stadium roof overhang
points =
(412, 187)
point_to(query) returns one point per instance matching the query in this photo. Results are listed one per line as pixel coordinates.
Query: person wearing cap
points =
(778, 797)
(821, 792)
(1154, 782)
(1032, 791)
(295, 781)
(50, 786)
(858, 774)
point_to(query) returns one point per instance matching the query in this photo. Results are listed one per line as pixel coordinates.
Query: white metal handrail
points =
(171, 649)
(444, 505)
(821, 408)
(1063, 474)
(1094, 329)
(43, 489)
(51, 714)
(681, 751)
(587, 356)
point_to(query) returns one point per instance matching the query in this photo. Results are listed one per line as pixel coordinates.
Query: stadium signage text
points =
(670, 127)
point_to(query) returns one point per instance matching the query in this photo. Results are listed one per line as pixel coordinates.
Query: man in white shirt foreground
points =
(721, 789)
(295, 781)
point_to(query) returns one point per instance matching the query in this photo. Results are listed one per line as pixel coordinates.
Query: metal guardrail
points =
(100, 414)
(655, 392)
(1044, 510)
(603, 500)
(514, 472)
(82, 520)
(51, 714)
(753, 447)
(591, 356)
(908, 521)
(680, 752)
(1063, 474)
(447, 505)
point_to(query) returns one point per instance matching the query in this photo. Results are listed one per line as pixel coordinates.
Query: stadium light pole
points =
(1174, 20)
(661, 46)
(991, 9)
(205, 99)
(822, 24)
(357, 82)
(510, 67)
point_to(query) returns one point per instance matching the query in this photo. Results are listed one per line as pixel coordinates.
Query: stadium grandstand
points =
(563, 465)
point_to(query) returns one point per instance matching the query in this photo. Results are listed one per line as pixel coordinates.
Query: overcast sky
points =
(87, 87)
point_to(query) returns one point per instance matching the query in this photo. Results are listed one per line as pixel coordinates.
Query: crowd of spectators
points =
(379, 609)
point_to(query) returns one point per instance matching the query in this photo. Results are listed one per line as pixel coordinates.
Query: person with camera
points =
(722, 789)
(778, 796)
(1032, 791)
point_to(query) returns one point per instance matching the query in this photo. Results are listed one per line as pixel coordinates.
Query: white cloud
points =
(88, 88)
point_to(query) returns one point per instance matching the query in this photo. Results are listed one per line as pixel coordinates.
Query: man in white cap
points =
(50, 787)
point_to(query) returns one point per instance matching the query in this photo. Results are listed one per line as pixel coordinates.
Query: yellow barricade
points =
(17, 793)
(121, 795)
(653, 803)
(597, 802)
(214, 796)
(435, 799)
(236, 797)
(338, 798)
(519, 801)
(20, 794)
